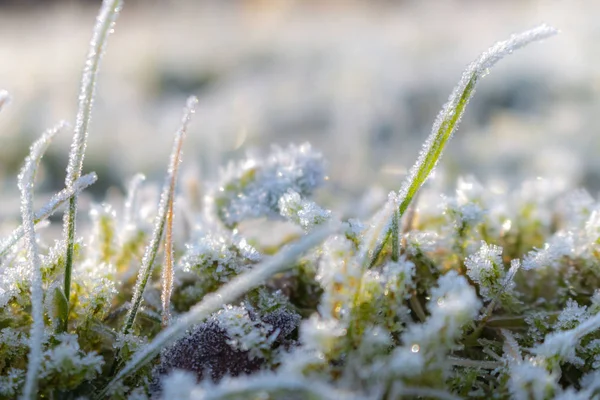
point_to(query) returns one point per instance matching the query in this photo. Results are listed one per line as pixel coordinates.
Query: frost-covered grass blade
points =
(166, 203)
(104, 27)
(26, 182)
(448, 119)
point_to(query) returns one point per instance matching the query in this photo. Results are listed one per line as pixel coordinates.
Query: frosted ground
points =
(361, 84)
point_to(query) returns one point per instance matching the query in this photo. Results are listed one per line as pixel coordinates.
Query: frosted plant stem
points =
(49, 208)
(104, 26)
(447, 121)
(166, 200)
(227, 293)
(36, 336)
(167, 271)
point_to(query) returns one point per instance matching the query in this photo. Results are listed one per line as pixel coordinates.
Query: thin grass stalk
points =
(446, 124)
(166, 200)
(227, 293)
(49, 209)
(104, 26)
(167, 272)
(36, 336)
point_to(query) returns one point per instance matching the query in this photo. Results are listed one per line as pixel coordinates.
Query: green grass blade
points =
(104, 27)
(446, 124)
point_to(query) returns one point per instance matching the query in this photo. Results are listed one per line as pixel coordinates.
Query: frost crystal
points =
(304, 213)
(67, 365)
(218, 258)
(550, 255)
(252, 188)
(531, 381)
(418, 242)
(487, 270)
(453, 304)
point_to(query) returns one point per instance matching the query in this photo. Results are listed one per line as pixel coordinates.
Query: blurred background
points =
(361, 80)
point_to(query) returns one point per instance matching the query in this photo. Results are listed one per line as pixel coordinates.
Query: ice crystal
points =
(453, 304)
(66, 365)
(418, 242)
(11, 383)
(487, 270)
(253, 187)
(550, 254)
(303, 212)
(531, 380)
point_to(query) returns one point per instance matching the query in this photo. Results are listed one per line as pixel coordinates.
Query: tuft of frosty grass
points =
(226, 294)
(104, 26)
(494, 296)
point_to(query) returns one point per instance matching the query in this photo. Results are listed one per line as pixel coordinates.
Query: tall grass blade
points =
(226, 294)
(447, 121)
(104, 26)
(49, 208)
(166, 202)
(36, 336)
(167, 272)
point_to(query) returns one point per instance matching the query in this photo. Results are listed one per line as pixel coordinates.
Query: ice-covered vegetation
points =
(476, 294)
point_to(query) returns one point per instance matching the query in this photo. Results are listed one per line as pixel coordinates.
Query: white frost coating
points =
(50, 208)
(26, 179)
(427, 159)
(563, 343)
(104, 26)
(305, 213)
(226, 294)
(4, 99)
(166, 199)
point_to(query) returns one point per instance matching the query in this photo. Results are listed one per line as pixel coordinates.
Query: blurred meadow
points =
(361, 81)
